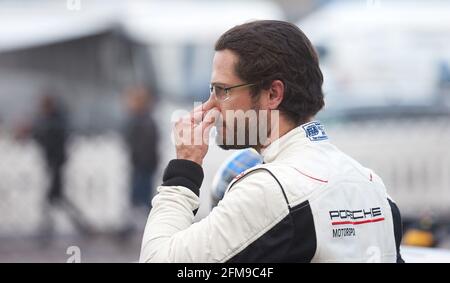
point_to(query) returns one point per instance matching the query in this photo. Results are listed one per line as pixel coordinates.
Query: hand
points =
(192, 132)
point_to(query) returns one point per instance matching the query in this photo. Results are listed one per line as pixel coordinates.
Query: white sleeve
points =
(250, 208)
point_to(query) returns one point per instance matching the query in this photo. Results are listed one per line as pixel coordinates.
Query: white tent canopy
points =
(197, 21)
(43, 22)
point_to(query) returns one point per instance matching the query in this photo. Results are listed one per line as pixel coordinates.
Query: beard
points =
(243, 132)
(227, 137)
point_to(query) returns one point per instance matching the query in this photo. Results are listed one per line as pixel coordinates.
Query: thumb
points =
(206, 131)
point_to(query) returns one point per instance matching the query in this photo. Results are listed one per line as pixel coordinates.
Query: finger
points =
(205, 128)
(212, 115)
(206, 133)
(208, 105)
(197, 117)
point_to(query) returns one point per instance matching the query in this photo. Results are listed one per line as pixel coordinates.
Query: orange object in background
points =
(420, 238)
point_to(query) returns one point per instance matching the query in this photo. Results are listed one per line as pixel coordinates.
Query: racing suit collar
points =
(309, 132)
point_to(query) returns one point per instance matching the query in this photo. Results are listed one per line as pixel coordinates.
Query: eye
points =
(219, 90)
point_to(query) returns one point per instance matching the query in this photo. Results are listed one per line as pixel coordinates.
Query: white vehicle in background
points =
(388, 53)
(424, 255)
(386, 68)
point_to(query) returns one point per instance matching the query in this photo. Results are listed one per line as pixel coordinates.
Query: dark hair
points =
(275, 50)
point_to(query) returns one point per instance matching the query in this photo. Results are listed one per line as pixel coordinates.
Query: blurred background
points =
(88, 88)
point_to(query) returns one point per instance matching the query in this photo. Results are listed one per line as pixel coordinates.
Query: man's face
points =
(231, 130)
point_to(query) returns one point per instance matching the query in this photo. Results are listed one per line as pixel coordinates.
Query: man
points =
(308, 202)
(51, 132)
(142, 138)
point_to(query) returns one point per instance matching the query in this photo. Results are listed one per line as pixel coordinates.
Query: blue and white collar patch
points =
(315, 131)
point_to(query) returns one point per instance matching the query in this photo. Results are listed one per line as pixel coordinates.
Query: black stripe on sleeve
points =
(268, 171)
(186, 173)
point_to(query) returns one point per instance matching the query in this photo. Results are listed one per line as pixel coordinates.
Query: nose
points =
(213, 102)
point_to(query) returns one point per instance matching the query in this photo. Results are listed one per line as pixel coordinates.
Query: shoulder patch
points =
(315, 131)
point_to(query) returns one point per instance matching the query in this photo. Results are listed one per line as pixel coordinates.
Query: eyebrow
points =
(219, 83)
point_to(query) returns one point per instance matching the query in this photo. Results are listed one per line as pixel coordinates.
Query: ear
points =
(276, 94)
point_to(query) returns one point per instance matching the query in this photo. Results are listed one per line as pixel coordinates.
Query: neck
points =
(277, 131)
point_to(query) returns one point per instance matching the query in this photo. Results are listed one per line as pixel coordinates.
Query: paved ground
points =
(98, 248)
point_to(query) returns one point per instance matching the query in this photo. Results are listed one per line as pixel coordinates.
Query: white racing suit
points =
(308, 202)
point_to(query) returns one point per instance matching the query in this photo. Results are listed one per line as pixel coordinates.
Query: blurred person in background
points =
(141, 135)
(50, 130)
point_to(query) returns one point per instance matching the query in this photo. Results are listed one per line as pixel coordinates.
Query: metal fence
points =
(96, 182)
